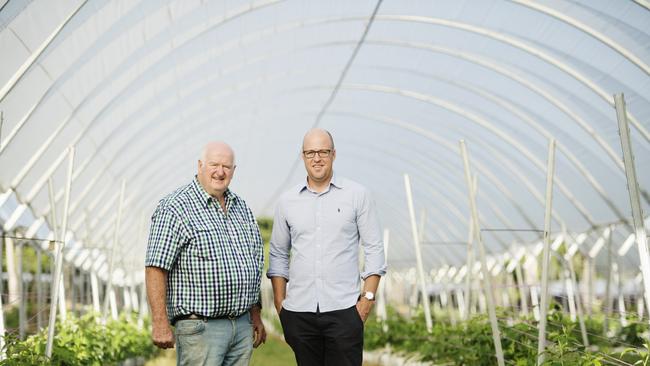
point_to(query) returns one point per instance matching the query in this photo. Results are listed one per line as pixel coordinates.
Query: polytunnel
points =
(505, 143)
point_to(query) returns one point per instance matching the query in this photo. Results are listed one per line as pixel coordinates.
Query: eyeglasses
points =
(310, 154)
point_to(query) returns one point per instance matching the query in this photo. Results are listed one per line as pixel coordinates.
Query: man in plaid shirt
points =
(203, 268)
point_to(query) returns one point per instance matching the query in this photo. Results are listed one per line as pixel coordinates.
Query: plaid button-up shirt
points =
(214, 258)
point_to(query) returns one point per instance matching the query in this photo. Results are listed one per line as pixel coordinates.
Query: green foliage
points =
(266, 226)
(82, 341)
(470, 342)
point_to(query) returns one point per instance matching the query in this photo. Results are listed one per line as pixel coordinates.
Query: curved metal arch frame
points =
(110, 78)
(482, 31)
(479, 120)
(524, 116)
(538, 53)
(453, 190)
(316, 22)
(575, 23)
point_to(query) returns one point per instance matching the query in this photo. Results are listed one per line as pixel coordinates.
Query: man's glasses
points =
(310, 154)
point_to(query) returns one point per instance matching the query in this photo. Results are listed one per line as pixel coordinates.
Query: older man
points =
(203, 268)
(317, 229)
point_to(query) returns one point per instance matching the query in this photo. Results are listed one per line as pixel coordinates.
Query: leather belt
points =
(230, 316)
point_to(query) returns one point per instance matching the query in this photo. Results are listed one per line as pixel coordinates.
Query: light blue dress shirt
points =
(315, 245)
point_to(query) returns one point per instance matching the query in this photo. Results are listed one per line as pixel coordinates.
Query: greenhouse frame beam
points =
(546, 254)
(575, 23)
(479, 120)
(633, 189)
(26, 66)
(418, 254)
(111, 258)
(496, 334)
(537, 53)
(587, 176)
(59, 254)
(55, 85)
(314, 22)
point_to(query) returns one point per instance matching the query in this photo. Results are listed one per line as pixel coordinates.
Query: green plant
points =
(82, 341)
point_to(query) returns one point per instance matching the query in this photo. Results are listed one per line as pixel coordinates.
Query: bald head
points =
(318, 134)
(318, 154)
(218, 147)
(216, 168)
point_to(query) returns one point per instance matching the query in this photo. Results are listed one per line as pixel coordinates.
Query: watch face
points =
(369, 296)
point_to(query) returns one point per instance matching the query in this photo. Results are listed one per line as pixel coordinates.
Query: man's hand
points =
(363, 307)
(258, 327)
(162, 335)
(278, 306)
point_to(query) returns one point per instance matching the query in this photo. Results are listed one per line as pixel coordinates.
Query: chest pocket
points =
(206, 243)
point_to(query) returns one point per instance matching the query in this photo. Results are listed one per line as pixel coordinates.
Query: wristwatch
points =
(369, 296)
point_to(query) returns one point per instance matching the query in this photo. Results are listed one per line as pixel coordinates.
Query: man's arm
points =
(156, 281)
(258, 326)
(373, 248)
(279, 249)
(371, 283)
(279, 291)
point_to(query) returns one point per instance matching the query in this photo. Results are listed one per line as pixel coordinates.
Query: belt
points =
(231, 316)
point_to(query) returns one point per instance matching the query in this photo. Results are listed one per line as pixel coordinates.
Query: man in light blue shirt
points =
(317, 230)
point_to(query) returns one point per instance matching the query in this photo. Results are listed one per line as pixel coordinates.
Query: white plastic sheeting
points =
(138, 86)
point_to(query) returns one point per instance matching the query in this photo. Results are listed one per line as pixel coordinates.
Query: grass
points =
(275, 352)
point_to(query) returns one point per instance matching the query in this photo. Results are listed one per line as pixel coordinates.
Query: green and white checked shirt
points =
(214, 260)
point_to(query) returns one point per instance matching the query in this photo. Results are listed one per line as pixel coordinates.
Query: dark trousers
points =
(333, 338)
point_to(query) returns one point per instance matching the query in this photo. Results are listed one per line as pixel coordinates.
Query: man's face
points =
(216, 172)
(318, 156)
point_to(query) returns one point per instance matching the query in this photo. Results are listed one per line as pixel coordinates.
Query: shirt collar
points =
(333, 182)
(206, 198)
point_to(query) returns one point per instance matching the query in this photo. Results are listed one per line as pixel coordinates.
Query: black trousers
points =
(333, 338)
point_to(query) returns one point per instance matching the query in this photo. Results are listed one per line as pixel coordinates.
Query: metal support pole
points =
(470, 259)
(546, 252)
(521, 284)
(496, 335)
(94, 286)
(633, 189)
(12, 277)
(581, 319)
(418, 254)
(620, 298)
(39, 289)
(143, 305)
(608, 282)
(22, 307)
(59, 254)
(111, 259)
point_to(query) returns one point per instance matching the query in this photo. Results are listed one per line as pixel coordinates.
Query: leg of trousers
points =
(216, 342)
(333, 338)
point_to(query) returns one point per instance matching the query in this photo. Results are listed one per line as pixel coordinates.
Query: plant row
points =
(82, 341)
(471, 342)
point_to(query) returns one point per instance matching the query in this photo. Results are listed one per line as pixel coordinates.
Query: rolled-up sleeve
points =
(370, 236)
(280, 245)
(165, 239)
